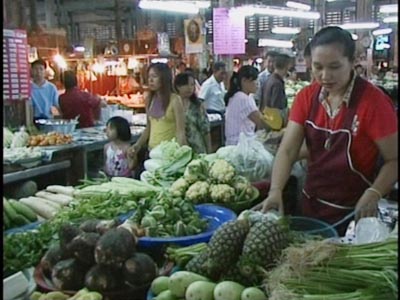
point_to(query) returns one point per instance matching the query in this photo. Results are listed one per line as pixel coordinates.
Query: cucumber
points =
(20, 220)
(6, 220)
(24, 210)
(159, 285)
(253, 293)
(228, 290)
(179, 282)
(10, 211)
(200, 290)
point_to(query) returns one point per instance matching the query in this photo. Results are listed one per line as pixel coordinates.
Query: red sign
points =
(16, 77)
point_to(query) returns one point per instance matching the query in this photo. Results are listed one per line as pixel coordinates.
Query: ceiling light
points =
(392, 19)
(79, 49)
(202, 4)
(382, 31)
(390, 8)
(298, 5)
(359, 25)
(285, 30)
(354, 36)
(171, 6)
(249, 10)
(275, 43)
(60, 61)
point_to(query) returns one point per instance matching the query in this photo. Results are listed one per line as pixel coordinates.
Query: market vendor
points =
(347, 124)
(43, 93)
(165, 113)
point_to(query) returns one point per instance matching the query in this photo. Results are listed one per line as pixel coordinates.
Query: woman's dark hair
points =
(335, 35)
(166, 82)
(121, 125)
(235, 82)
(183, 79)
(69, 80)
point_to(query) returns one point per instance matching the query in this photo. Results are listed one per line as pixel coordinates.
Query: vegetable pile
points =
(83, 294)
(98, 255)
(166, 216)
(323, 270)
(16, 214)
(216, 182)
(50, 139)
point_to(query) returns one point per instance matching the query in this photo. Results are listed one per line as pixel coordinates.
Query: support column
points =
(118, 31)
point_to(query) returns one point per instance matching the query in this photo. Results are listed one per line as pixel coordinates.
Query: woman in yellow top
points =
(165, 113)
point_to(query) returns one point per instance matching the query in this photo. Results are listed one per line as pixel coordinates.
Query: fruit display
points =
(101, 259)
(50, 139)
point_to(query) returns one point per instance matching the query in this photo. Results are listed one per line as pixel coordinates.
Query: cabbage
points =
(7, 137)
(165, 150)
(153, 164)
(20, 139)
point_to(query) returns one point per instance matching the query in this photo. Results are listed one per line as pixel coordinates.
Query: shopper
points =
(268, 64)
(197, 85)
(273, 95)
(116, 160)
(242, 114)
(197, 124)
(74, 102)
(347, 123)
(359, 69)
(213, 90)
(43, 93)
(165, 114)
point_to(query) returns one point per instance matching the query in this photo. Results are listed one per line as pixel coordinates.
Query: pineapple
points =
(197, 264)
(233, 274)
(263, 245)
(226, 245)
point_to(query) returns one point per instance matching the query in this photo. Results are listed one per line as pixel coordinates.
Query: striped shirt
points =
(240, 106)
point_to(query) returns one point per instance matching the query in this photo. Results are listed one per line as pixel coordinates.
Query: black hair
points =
(281, 61)
(165, 74)
(235, 82)
(39, 62)
(69, 80)
(183, 79)
(218, 66)
(121, 125)
(335, 35)
(272, 54)
(307, 50)
(358, 66)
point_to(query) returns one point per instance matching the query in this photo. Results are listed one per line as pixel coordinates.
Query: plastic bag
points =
(250, 158)
(370, 230)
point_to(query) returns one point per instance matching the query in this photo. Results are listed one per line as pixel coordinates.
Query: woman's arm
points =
(180, 121)
(257, 118)
(387, 176)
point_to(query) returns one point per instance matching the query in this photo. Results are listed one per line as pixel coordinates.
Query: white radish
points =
(60, 189)
(43, 210)
(47, 202)
(58, 198)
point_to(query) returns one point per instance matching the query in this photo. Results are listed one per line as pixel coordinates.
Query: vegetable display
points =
(17, 214)
(83, 294)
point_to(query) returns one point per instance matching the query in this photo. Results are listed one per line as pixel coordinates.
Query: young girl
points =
(116, 158)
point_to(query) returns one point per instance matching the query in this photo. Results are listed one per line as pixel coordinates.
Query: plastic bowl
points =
(313, 227)
(216, 216)
(58, 125)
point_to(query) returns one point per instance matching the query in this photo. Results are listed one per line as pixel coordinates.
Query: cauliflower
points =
(198, 192)
(179, 187)
(243, 188)
(20, 138)
(221, 171)
(196, 170)
(222, 193)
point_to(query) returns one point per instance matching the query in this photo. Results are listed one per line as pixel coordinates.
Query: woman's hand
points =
(274, 201)
(367, 205)
(133, 152)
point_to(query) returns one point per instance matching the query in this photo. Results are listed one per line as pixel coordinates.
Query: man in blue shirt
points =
(43, 93)
(263, 76)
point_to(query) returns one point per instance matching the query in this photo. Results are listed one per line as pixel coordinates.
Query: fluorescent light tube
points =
(285, 30)
(171, 6)
(287, 13)
(382, 31)
(298, 5)
(392, 19)
(359, 25)
(275, 43)
(390, 8)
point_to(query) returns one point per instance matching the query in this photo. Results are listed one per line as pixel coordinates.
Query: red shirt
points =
(376, 119)
(76, 102)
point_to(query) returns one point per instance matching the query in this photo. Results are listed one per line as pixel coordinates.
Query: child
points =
(116, 159)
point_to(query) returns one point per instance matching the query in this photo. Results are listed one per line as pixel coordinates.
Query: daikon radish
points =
(58, 198)
(60, 189)
(43, 210)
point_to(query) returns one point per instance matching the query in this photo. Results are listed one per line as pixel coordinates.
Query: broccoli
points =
(198, 192)
(221, 171)
(179, 187)
(196, 170)
(222, 193)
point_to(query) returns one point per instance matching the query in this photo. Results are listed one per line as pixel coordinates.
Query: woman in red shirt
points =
(75, 102)
(347, 123)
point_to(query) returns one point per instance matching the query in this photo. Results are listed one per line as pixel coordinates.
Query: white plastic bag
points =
(370, 230)
(250, 158)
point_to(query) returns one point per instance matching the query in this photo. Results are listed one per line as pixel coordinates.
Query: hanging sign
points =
(163, 44)
(16, 75)
(228, 32)
(194, 38)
